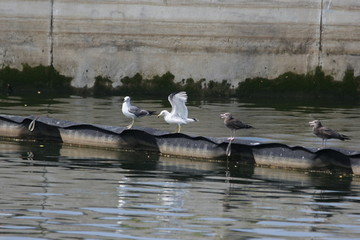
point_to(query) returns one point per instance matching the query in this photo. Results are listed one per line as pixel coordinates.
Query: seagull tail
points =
(189, 120)
(152, 112)
(344, 137)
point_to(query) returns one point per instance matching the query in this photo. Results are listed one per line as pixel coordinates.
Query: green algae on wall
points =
(137, 85)
(162, 86)
(314, 85)
(31, 80)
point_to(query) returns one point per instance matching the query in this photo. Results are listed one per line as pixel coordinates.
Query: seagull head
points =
(163, 113)
(315, 123)
(225, 115)
(127, 99)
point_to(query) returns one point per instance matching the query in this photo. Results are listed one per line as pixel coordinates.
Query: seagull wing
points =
(329, 133)
(177, 102)
(237, 124)
(138, 112)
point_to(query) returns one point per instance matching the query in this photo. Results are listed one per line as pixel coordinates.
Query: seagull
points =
(326, 133)
(179, 111)
(233, 124)
(133, 111)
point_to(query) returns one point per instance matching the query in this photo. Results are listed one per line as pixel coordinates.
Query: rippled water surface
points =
(50, 191)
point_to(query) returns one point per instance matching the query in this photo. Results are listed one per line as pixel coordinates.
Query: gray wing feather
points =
(138, 112)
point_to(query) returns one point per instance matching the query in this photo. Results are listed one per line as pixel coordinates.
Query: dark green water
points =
(50, 191)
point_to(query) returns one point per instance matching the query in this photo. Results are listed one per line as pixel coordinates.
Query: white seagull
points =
(133, 111)
(179, 112)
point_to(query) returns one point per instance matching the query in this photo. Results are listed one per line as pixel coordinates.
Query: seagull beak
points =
(312, 123)
(222, 115)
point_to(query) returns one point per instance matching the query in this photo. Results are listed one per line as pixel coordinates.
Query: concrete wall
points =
(212, 39)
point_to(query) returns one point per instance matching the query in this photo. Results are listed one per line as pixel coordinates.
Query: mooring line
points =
(32, 124)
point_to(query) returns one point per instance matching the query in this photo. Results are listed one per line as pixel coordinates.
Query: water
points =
(50, 191)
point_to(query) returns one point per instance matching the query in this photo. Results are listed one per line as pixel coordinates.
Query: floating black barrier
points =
(178, 144)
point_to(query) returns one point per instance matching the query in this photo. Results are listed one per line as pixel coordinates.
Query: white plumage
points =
(133, 111)
(179, 111)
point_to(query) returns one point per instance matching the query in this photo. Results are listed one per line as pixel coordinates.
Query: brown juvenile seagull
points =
(233, 124)
(326, 133)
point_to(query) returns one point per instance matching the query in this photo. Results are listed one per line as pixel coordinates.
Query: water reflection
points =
(68, 192)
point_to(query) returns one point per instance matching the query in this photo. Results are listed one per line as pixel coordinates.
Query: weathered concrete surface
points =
(24, 32)
(211, 39)
(341, 36)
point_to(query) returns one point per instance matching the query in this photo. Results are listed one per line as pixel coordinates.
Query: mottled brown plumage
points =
(326, 133)
(233, 124)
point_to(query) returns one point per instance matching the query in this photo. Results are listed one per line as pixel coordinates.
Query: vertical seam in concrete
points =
(51, 32)
(320, 32)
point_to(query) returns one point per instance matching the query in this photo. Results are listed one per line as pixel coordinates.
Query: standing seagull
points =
(326, 133)
(179, 111)
(233, 124)
(133, 111)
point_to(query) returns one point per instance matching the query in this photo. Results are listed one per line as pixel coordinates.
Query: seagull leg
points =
(232, 137)
(131, 124)
(323, 142)
(178, 128)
